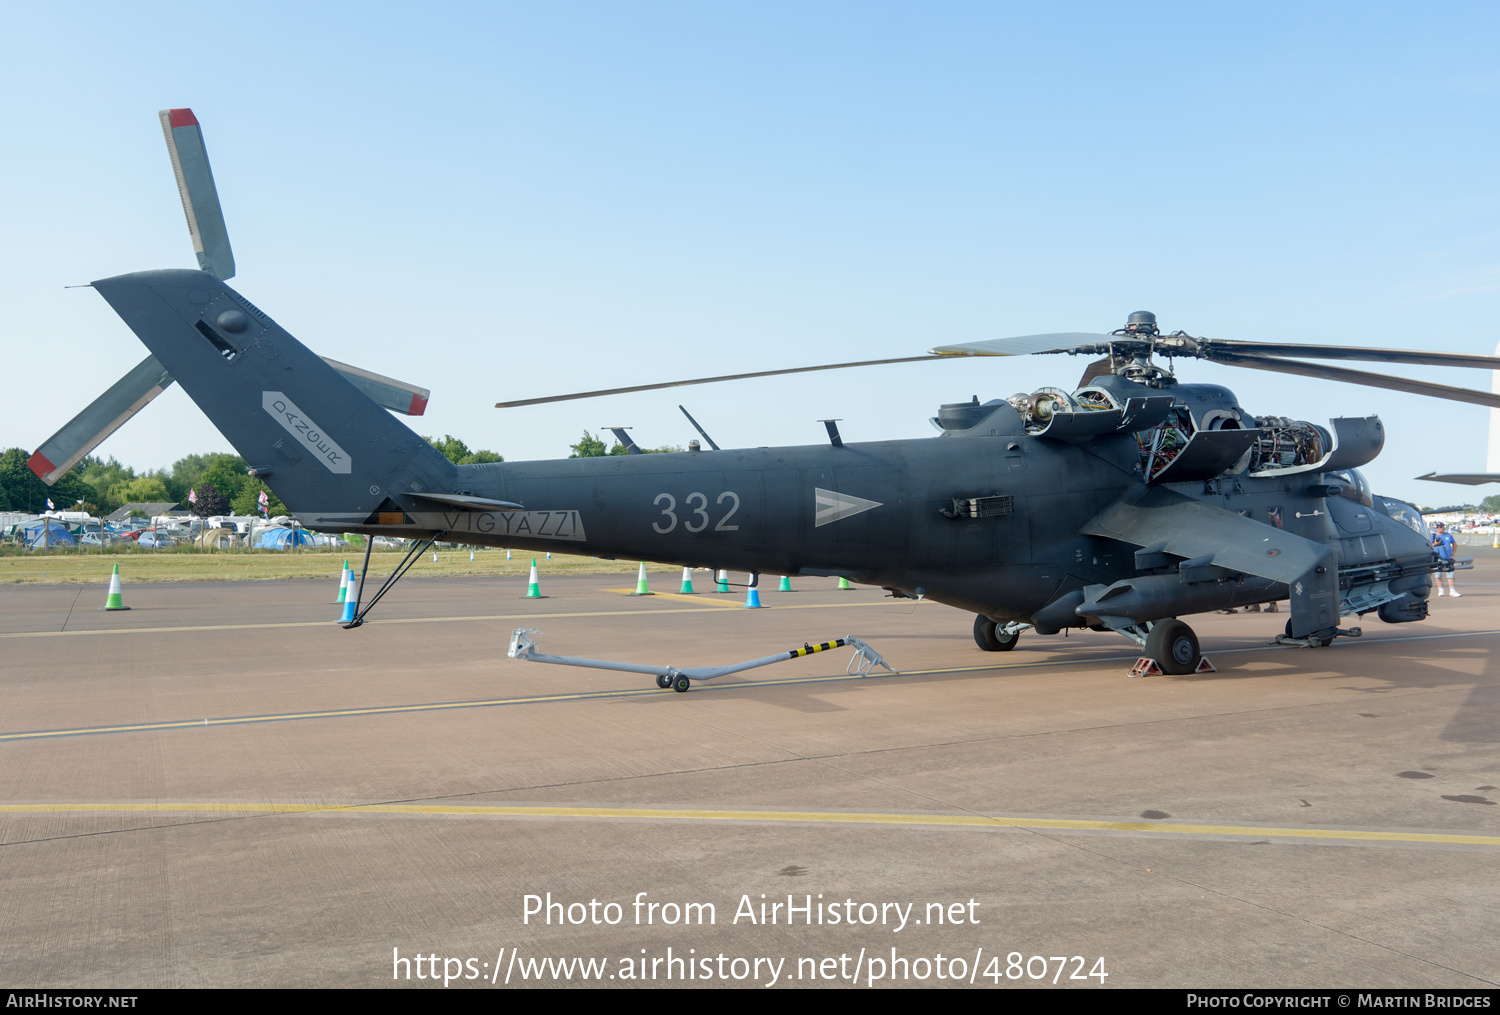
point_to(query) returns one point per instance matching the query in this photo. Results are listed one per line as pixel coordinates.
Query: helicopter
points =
(1123, 504)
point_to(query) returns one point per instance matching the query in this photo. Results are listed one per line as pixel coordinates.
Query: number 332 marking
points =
(699, 511)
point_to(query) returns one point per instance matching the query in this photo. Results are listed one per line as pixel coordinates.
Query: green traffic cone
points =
(844, 585)
(687, 583)
(114, 602)
(534, 588)
(640, 583)
(723, 583)
(344, 577)
(786, 584)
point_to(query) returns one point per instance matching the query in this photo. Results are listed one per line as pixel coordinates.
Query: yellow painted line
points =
(697, 600)
(701, 608)
(813, 817)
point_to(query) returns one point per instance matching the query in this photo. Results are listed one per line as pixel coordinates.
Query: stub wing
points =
(1205, 536)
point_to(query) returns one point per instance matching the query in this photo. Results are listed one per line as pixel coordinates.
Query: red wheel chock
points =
(1145, 666)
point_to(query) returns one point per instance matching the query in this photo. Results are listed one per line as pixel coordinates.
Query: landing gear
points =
(663, 681)
(1174, 646)
(682, 684)
(992, 637)
(1322, 641)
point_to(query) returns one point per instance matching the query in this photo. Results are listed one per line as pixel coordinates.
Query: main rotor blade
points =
(1211, 347)
(1327, 373)
(1466, 478)
(200, 198)
(1026, 345)
(709, 380)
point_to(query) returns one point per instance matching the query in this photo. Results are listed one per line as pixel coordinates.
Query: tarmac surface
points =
(222, 787)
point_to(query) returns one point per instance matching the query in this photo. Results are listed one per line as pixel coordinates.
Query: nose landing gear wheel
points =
(991, 637)
(1174, 646)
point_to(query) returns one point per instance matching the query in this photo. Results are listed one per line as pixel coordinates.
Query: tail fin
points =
(328, 451)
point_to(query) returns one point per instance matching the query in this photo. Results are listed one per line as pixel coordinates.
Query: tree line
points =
(220, 480)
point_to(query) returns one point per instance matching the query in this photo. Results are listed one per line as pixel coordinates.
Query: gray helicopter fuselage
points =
(871, 512)
(999, 515)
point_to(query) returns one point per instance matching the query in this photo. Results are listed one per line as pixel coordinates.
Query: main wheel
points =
(989, 637)
(682, 684)
(663, 681)
(1174, 646)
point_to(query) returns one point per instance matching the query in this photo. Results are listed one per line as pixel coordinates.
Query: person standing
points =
(1442, 545)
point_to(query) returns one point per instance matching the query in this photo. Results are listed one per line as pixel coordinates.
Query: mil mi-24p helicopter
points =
(1122, 505)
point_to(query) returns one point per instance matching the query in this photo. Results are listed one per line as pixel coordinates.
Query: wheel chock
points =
(1204, 666)
(1145, 666)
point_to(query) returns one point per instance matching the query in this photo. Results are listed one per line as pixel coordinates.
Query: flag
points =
(50, 505)
(192, 496)
(264, 500)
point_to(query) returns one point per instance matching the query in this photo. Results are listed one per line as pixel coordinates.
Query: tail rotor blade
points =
(106, 414)
(200, 198)
(388, 393)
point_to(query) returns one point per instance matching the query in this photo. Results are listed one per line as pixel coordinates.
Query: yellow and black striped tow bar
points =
(863, 663)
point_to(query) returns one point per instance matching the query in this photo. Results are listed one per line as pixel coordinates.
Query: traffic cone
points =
(534, 588)
(507, 555)
(786, 584)
(723, 582)
(1496, 544)
(113, 601)
(434, 556)
(844, 585)
(549, 554)
(640, 583)
(471, 555)
(344, 577)
(347, 617)
(687, 583)
(752, 600)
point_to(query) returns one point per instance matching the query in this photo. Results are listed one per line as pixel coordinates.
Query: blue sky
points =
(502, 200)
